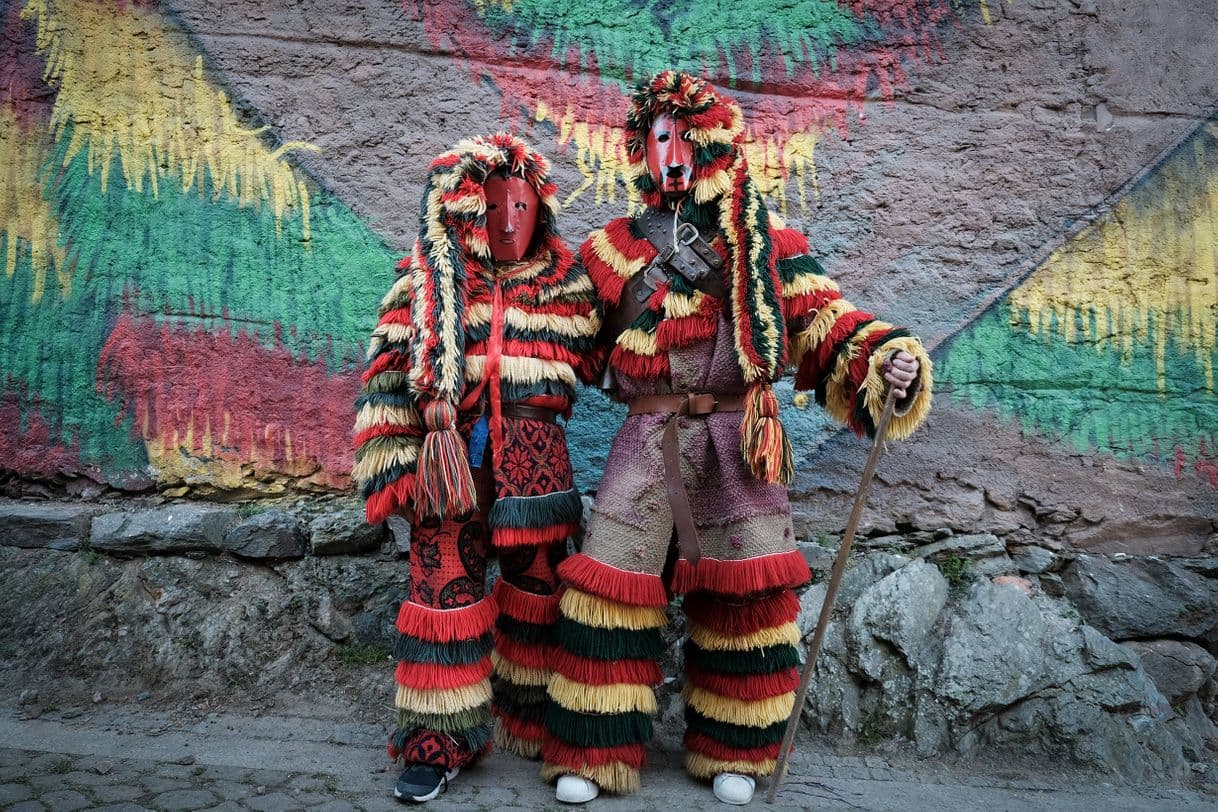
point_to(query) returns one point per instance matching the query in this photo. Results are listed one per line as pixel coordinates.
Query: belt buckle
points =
(702, 403)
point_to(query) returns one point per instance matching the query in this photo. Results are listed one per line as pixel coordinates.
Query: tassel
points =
(444, 485)
(767, 451)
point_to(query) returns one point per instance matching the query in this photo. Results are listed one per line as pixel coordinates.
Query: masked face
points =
(512, 211)
(670, 157)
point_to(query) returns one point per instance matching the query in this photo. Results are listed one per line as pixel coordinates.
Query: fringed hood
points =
(723, 195)
(453, 248)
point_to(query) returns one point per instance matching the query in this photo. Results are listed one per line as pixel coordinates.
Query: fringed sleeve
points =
(576, 313)
(388, 430)
(839, 351)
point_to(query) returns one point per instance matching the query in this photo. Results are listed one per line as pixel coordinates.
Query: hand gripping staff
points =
(839, 566)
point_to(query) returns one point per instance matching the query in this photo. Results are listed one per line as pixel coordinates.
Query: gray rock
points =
(273, 534)
(818, 557)
(1178, 669)
(184, 799)
(344, 531)
(1142, 598)
(399, 528)
(326, 620)
(866, 572)
(1033, 559)
(900, 609)
(164, 530)
(971, 547)
(44, 524)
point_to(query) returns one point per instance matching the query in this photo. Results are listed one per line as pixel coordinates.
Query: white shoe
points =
(733, 788)
(575, 789)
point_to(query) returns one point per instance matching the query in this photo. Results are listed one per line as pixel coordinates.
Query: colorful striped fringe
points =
(443, 683)
(602, 698)
(523, 650)
(741, 673)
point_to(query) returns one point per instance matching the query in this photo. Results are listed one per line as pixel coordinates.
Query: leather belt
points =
(691, 404)
(522, 411)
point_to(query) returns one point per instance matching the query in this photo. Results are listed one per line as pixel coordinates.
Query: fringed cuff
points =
(615, 778)
(911, 411)
(606, 581)
(706, 768)
(747, 713)
(447, 625)
(615, 698)
(744, 617)
(743, 577)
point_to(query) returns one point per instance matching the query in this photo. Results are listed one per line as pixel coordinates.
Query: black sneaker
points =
(422, 782)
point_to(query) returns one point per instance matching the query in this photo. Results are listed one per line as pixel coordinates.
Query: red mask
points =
(670, 156)
(512, 211)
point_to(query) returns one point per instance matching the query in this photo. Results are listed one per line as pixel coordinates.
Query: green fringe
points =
(523, 632)
(735, 735)
(525, 711)
(521, 694)
(452, 723)
(794, 267)
(389, 442)
(391, 381)
(561, 507)
(764, 660)
(597, 730)
(460, 652)
(608, 644)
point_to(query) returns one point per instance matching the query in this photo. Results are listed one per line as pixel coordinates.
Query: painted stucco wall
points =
(200, 205)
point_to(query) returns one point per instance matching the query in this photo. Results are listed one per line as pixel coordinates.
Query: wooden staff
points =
(839, 566)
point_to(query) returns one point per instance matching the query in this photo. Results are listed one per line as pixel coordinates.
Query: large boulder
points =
(344, 531)
(272, 534)
(183, 528)
(1179, 669)
(1142, 598)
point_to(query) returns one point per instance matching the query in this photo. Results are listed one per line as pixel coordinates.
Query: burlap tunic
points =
(737, 515)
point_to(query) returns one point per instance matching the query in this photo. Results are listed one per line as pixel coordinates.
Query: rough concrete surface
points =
(135, 760)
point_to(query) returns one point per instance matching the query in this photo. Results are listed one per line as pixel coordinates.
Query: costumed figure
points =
(476, 354)
(708, 299)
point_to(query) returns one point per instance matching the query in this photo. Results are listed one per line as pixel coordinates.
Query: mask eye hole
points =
(520, 204)
(662, 137)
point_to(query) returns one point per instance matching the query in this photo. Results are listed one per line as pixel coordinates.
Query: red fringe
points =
(744, 687)
(685, 331)
(534, 731)
(521, 536)
(392, 361)
(604, 581)
(796, 306)
(433, 676)
(838, 333)
(787, 243)
(398, 315)
(860, 365)
(386, 430)
(529, 655)
(736, 620)
(446, 625)
(745, 577)
(559, 753)
(390, 499)
(643, 367)
(698, 742)
(606, 672)
(525, 606)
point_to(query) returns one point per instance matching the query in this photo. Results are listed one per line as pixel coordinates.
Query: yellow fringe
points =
(378, 414)
(519, 674)
(704, 767)
(466, 204)
(709, 640)
(679, 305)
(619, 697)
(762, 713)
(400, 333)
(808, 283)
(521, 370)
(525, 748)
(638, 342)
(616, 777)
(382, 459)
(816, 332)
(446, 701)
(621, 264)
(605, 614)
(712, 187)
(875, 387)
(400, 294)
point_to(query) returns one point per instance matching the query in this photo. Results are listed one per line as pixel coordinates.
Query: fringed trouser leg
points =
(443, 647)
(605, 668)
(741, 674)
(528, 607)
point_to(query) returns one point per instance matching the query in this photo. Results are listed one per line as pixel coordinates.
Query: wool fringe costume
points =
(780, 311)
(462, 337)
